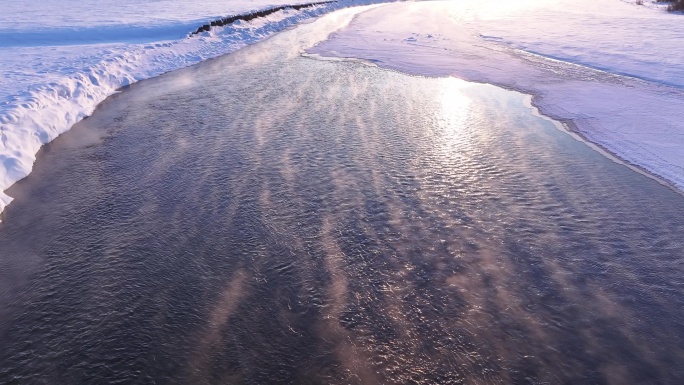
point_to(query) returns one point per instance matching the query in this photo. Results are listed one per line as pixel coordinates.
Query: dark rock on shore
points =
(253, 15)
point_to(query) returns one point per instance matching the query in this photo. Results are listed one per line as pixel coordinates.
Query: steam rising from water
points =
(268, 218)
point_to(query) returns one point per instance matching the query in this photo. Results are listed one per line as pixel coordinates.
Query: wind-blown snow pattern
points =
(611, 70)
(60, 59)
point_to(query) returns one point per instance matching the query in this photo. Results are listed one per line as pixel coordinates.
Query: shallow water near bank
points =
(269, 218)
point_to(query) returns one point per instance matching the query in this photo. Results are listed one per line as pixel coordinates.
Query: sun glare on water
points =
(453, 115)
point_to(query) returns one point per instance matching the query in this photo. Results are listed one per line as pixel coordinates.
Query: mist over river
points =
(268, 218)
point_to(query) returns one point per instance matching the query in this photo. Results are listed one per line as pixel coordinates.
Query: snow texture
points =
(60, 59)
(611, 70)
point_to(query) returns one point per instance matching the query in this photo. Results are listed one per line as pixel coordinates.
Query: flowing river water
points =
(267, 218)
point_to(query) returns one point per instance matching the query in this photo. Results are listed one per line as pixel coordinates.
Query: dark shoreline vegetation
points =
(675, 5)
(253, 15)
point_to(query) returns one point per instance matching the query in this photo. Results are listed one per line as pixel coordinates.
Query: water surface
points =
(267, 218)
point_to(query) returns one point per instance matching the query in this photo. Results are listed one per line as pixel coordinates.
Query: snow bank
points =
(611, 35)
(609, 69)
(54, 76)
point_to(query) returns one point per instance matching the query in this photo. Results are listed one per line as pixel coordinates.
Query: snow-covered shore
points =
(59, 60)
(610, 69)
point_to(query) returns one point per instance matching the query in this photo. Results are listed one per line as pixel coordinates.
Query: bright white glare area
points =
(455, 103)
(454, 119)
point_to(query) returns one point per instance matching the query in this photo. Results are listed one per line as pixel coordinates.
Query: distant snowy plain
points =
(611, 69)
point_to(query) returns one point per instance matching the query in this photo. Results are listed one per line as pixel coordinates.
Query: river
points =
(267, 218)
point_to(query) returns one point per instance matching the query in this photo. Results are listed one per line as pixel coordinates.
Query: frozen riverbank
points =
(61, 59)
(610, 68)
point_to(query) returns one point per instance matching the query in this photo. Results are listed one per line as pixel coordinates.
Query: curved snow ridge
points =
(669, 75)
(39, 115)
